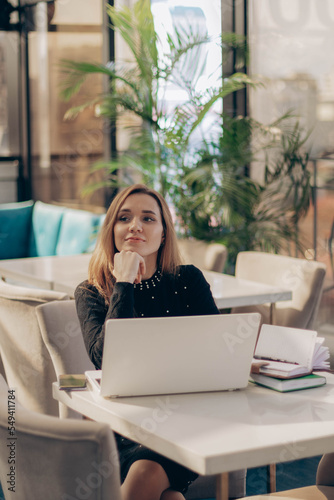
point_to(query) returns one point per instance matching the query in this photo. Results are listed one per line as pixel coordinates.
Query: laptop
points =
(187, 354)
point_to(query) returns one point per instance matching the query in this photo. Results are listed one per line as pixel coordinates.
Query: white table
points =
(214, 433)
(66, 272)
(61, 273)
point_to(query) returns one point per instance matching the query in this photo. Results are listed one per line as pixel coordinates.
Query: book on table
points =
(288, 384)
(285, 352)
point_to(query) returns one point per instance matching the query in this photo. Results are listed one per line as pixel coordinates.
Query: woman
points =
(136, 271)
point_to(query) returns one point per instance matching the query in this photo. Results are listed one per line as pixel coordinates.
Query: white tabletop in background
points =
(229, 291)
(219, 432)
(64, 273)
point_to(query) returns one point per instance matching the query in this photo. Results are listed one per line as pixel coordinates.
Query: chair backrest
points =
(207, 256)
(304, 277)
(27, 363)
(2, 369)
(55, 458)
(330, 248)
(61, 332)
(325, 472)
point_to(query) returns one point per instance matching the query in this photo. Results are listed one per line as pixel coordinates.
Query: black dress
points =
(185, 294)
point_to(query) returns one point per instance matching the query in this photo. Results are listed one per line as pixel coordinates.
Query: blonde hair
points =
(101, 264)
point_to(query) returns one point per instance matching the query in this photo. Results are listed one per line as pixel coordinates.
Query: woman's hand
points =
(128, 266)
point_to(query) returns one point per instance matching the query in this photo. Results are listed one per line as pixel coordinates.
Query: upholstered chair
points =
(61, 332)
(207, 256)
(304, 277)
(2, 369)
(54, 458)
(26, 361)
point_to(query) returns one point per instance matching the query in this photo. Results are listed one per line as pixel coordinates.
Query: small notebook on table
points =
(285, 352)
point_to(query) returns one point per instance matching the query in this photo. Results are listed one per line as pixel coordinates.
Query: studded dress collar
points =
(150, 283)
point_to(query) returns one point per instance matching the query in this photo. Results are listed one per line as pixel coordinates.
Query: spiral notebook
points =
(146, 356)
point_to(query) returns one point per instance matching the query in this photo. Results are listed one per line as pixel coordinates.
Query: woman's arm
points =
(93, 313)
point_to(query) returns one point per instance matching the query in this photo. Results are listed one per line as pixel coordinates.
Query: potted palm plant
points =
(217, 202)
(204, 180)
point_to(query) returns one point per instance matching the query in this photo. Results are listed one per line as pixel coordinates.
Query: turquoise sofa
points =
(36, 229)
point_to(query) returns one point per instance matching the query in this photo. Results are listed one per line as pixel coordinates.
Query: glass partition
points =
(290, 44)
(43, 156)
(63, 151)
(291, 52)
(10, 141)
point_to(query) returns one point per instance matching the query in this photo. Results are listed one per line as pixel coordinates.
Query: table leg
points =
(271, 478)
(222, 486)
(271, 469)
(272, 314)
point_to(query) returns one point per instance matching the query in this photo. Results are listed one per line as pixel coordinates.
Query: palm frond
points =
(75, 74)
(183, 57)
(76, 110)
(136, 28)
(233, 42)
(211, 96)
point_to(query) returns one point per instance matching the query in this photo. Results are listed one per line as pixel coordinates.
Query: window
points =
(201, 18)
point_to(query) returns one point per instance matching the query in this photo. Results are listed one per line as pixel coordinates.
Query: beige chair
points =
(305, 278)
(55, 458)
(27, 363)
(61, 332)
(2, 368)
(330, 244)
(323, 490)
(207, 256)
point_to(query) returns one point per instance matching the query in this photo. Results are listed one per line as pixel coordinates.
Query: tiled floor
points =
(289, 475)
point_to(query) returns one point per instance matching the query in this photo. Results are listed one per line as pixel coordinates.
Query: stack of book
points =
(285, 359)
